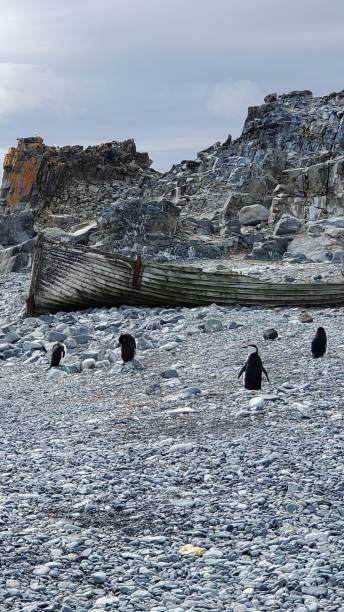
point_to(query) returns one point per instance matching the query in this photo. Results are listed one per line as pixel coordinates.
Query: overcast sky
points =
(175, 75)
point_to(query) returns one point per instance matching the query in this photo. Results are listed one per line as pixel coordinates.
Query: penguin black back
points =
(319, 343)
(253, 369)
(128, 347)
(57, 353)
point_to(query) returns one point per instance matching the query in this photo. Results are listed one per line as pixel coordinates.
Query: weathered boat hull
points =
(70, 277)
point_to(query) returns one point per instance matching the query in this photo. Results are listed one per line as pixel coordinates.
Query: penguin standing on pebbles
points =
(59, 351)
(128, 347)
(319, 343)
(253, 369)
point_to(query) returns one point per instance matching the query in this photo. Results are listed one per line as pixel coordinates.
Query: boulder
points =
(288, 224)
(80, 235)
(270, 249)
(253, 215)
(338, 255)
(316, 249)
(234, 203)
(17, 258)
(16, 226)
(132, 222)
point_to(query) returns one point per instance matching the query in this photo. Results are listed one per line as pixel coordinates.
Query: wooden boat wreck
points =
(73, 277)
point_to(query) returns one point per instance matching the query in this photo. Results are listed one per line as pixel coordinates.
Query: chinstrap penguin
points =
(128, 347)
(253, 369)
(319, 343)
(59, 351)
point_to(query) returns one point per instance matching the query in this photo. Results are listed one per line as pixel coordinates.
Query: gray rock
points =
(169, 373)
(56, 336)
(88, 364)
(144, 344)
(16, 258)
(212, 325)
(103, 364)
(82, 339)
(170, 346)
(270, 249)
(99, 577)
(70, 343)
(318, 249)
(234, 325)
(4, 347)
(183, 447)
(306, 317)
(16, 226)
(288, 224)
(57, 373)
(338, 255)
(32, 346)
(270, 334)
(72, 368)
(253, 215)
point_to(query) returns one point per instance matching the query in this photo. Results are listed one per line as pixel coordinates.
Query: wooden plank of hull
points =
(68, 277)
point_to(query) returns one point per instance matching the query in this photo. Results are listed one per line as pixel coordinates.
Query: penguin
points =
(59, 351)
(319, 343)
(253, 369)
(128, 347)
(270, 334)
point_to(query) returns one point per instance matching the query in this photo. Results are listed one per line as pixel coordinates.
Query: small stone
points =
(57, 373)
(181, 447)
(169, 373)
(270, 334)
(234, 325)
(72, 368)
(102, 364)
(56, 336)
(170, 346)
(99, 577)
(143, 344)
(70, 343)
(212, 325)
(88, 364)
(41, 570)
(306, 317)
(257, 403)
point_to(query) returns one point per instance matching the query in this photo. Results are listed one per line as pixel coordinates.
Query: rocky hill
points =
(278, 188)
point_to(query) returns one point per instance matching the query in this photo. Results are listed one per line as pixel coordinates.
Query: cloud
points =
(27, 87)
(232, 99)
(169, 73)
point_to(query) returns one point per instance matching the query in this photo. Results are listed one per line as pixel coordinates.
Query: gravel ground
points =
(107, 470)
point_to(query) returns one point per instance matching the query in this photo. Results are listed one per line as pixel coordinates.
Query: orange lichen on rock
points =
(10, 157)
(21, 179)
(21, 165)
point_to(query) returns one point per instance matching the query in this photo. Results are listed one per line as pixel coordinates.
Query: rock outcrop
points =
(70, 179)
(288, 164)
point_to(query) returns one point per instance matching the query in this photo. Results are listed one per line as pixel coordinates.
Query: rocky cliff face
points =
(70, 179)
(284, 174)
(289, 156)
